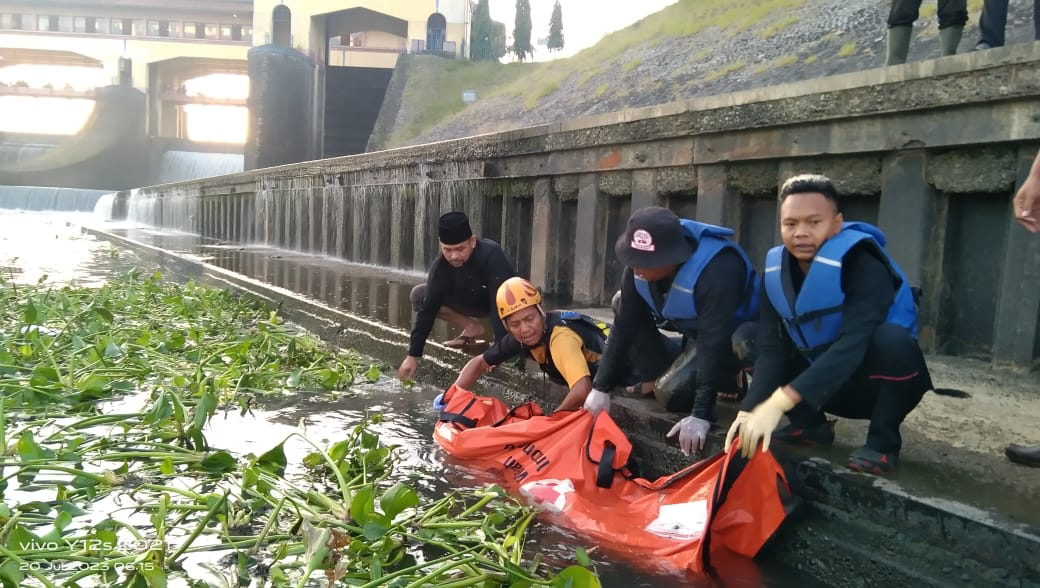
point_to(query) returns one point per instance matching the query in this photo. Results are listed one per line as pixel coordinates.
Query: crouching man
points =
(565, 344)
(693, 277)
(837, 333)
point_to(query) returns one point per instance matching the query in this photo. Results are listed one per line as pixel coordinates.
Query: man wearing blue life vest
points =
(690, 276)
(837, 333)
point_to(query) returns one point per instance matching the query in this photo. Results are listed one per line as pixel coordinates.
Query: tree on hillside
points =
(555, 42)
(522, 30)
(481, 33)
(498, 39)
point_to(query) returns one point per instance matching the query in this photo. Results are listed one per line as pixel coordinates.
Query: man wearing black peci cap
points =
(690, 276)
(460, 288)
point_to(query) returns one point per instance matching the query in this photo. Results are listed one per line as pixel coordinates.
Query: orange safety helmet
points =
(516, 294)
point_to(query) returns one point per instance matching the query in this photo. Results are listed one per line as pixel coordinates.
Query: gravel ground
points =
(715, 62)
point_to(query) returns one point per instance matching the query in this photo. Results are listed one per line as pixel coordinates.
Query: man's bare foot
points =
(463, 341)
(471, 335)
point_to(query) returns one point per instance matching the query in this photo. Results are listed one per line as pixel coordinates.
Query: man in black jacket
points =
(691, 276)
(460, 288)
(837, 333)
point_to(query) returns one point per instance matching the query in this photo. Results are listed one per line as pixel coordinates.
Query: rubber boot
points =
(949, 39)
(1022, 454)
(681, 375)
(898, 44)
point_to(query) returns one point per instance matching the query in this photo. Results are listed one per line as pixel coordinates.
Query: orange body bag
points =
(574, 465)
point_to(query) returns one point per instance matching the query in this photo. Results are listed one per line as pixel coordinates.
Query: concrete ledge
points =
(854, 530)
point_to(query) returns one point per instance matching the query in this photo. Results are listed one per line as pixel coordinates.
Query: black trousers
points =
(887, 386)
(471, 308)
(994, 20)
(653, 353)
(951, 12)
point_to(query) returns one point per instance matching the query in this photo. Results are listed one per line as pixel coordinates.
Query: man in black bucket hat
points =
(460, 288)
(692, 278)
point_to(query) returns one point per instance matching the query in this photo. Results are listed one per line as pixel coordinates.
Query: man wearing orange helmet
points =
(566, 344)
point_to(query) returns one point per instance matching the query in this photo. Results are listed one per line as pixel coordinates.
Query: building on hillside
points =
(366, 33)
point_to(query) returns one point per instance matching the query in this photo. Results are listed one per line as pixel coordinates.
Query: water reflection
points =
(38, 244)
(378, 293)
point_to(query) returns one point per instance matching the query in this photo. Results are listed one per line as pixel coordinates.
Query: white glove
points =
(692, 434)
(597, 401)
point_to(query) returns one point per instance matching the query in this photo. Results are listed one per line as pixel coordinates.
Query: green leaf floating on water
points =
(274, 460)
(373, 374)
(30, 315)
(71, 508)
(204, 409)
(218, 463)
(576, 577)
(20, 539)
(60, 522)
(152, 571)
(29, 450)
(375, 527)
(44, 375)
(362, 504)
(583, 558)
(293, 381)
(398, 498)
(92, 382)
(166, 466)
(103, 313)
(112, 350)
(10, 574)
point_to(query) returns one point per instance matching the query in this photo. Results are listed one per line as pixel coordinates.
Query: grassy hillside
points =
(693, 47)
(433, 91)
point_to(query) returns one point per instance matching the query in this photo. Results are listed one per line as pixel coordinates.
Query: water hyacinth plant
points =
(91, 496)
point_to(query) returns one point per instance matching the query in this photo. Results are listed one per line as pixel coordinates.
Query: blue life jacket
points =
(680, 305)
(813, 319)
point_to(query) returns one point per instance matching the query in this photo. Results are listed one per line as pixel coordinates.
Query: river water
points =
(49, 246)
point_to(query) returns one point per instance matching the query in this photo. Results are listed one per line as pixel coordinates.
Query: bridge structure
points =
(351, 46)
(166, 43)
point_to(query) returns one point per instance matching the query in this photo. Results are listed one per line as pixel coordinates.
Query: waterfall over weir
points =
(346, 216)
(178, 166)
(39, 198)
(12, 154)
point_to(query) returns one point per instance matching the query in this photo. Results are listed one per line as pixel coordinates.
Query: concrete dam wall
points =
(110, 152)
(930, 151)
